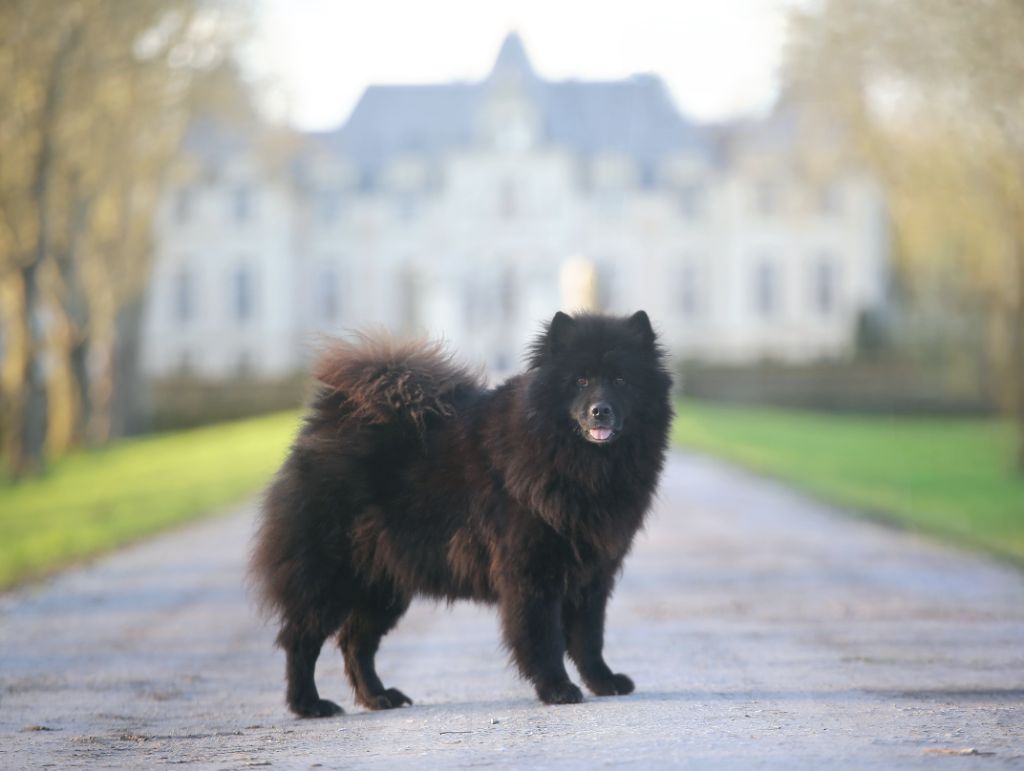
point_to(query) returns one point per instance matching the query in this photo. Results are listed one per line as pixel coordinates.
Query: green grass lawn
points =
(948, 476)
(90, 502)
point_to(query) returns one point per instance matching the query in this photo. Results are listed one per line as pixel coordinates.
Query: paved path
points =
(763, 631)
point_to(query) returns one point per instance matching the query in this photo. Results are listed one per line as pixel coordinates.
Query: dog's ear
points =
(558, 330)
(641, 324)
(552, 339)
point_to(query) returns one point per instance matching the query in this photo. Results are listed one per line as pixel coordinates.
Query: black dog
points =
(409, 478)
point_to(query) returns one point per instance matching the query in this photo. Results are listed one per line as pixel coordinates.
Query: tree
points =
(932, 88)
(97, 95)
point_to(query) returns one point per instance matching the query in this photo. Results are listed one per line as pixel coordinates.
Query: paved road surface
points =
(763, 631)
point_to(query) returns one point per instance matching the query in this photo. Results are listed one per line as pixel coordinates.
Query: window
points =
(481, 304)
(604, 291)
(243, 299)
(471, 302)
(409, 299)
(183, 206)
(584, 176)
(184, 300)
(691, 202)
(243, 365)
(830, 199)
(825, 280)
(326, 292)
(766, 289)
(367, 181)
(508, 200)
(689, 291)
(407, 207)
(648, 177)
(767, 198)
(329, 206)
(610, 202)
(241, 202)
(508, 294)
(185, 363)
(514, 132)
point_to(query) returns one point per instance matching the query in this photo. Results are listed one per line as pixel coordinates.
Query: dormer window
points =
(513, 132)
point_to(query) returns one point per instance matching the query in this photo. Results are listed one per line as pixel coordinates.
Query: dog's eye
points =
(620, 381)
(582, 382)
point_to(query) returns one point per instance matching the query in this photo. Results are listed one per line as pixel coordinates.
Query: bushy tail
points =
(382, 380)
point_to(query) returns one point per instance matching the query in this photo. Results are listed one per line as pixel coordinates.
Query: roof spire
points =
(512, 62)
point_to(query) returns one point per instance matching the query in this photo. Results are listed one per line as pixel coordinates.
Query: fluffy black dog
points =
(409, 478)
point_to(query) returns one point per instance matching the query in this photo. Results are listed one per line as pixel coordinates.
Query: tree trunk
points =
(125, 410)
(79, 363)
(31, 446)
(1017, 351)
(77, 309)
(33, 417)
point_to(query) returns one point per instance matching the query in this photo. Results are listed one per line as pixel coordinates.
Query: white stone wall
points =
(211, 245)
(477, 260)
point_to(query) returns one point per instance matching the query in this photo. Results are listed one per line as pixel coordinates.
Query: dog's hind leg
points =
(302, 649)
(373, 617)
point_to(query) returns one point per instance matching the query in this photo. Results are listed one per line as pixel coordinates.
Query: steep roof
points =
(634, 117)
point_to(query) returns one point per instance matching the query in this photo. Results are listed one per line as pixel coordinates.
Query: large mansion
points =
(458, 210)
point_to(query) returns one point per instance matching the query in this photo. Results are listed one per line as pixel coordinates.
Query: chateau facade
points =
(453, 210)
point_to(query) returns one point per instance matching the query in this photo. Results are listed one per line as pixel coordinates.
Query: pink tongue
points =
(600, 433)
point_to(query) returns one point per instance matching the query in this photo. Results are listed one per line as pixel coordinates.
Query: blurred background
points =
(820, 204)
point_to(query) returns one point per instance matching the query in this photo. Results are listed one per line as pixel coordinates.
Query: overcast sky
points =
(313, 58)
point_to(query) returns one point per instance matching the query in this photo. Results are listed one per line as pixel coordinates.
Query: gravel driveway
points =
(763, 630)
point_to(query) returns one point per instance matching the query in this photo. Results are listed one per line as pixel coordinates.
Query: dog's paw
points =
(392, 698)
(560, 693)
(616, 685)
(317, 708)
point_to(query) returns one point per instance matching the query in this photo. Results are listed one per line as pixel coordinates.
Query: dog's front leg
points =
(584, 617)
(531, 618)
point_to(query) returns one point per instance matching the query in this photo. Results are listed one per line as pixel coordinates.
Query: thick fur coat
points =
(410, 478)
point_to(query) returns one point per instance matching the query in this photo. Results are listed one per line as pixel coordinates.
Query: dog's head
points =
(600, 375)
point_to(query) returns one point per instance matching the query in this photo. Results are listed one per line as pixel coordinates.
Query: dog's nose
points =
(601, 410)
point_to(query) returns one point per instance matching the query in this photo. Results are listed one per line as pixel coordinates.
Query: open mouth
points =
(600, 434)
